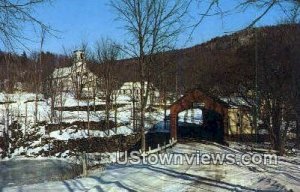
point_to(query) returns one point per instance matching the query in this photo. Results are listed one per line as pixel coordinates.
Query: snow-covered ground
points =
(20, 106)
(145, 177)
(187, 177)
(70, 133)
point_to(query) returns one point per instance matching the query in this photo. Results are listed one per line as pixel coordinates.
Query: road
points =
(183, 177)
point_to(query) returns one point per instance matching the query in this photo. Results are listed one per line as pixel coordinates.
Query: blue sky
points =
(89, 20)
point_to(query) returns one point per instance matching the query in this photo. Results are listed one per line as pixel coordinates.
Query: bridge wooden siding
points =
(188, 101)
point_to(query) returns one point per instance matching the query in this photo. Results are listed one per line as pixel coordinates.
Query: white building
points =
(76, 78)
(133, 90)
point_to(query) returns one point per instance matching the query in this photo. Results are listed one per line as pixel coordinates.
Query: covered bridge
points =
(215, 113)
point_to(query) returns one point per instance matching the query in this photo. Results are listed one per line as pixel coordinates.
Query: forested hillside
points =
(221, 65)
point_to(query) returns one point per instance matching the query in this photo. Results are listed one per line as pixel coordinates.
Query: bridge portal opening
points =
(190, 123)
(197, 123)
(212, 124)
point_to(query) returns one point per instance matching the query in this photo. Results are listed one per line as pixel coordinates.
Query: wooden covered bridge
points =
(215, 113)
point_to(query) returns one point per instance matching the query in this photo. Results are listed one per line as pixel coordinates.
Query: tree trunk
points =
(297, 110)
(276, 123)
(278, 141)
(107, 100)
(165, 110)
(52, 108)
(107, 114)
(116, 113)
(88, 116)
(26, 116)
(61, 109)
(36, 109)
(298, 132)
(134, 115)
(142, 123)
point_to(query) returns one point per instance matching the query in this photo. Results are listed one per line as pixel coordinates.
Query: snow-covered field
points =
(75, 134)
(187, 177)
(20, 107)
(144, 177)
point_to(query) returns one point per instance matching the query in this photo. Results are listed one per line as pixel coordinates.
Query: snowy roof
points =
(62, 72)
(236, 101)
(132, 84)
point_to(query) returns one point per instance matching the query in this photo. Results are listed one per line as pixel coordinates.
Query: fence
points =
(159, 148)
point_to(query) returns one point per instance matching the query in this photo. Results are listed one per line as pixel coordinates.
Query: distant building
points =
(239, 116)
(76, 78)
(133, 90)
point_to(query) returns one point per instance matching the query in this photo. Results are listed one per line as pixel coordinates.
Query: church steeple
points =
(79, 56)
(79, 62)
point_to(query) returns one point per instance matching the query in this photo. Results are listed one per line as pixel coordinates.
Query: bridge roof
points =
(205, 94)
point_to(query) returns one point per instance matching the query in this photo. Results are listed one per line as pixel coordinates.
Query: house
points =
(239, 117)
(77, 78)
(133, 91)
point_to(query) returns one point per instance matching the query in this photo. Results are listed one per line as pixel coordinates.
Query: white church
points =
(76, 78)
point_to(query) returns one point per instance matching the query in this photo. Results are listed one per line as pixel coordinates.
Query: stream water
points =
(21, 172)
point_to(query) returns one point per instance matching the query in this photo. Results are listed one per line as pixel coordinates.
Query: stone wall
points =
(96, 144)
(101, 125)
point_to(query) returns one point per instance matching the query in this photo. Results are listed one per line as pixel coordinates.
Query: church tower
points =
(79, 56)
(79, 59)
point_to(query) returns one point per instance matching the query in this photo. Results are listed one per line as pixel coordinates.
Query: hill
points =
(222, 64)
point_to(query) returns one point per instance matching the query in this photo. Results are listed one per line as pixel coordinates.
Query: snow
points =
(24, 104)
(159, 177)
(125, 130)
(124, 99)
(62, 72)
(236, 101)
(70, 133)
(22, 109)
(145, 177)
(191, 116)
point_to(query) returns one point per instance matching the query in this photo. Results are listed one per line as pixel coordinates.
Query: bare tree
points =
(115, 95)
(294, 94)
(61, 102)
(84, 81)
(8, 113)
(13, 16)
(52, 92)
(153, 26)
(38, 73)
(273, 80)
(289, 9)
(106, 54)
